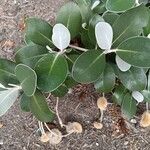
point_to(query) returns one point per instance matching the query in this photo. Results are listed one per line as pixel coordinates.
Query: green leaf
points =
(135, 51)
(147, 28)
(100, 8)
(52, 71)
(133, 79)
(110, 17)
(7, 99)
(143, 1)
(38, 31)
(128, 107)
(119, 5)
(88, 66)
(70, 16)
(71, 57)
(85, 9)
(27, 78)
(119, 94)
(7, 74)
(70, 82)
(24, 103)
(130, 24)
(86, 39)
(106, 81)
(27, 40)
(92, 23)
(39, 108)
(60, 91)
(29, 55)
(146, 95)
(146, 92)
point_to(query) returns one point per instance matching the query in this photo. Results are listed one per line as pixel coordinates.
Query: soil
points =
(20, 130)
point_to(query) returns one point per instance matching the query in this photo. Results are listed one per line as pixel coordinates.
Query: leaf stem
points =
(49, 129)
(102, 113)
(110, 51)
(41, 127)
(78, 48)
(59, 119)
(13, 85)
(147, 106)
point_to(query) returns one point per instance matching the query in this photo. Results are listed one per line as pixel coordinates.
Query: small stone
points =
(97, 144)
(1, 142)
(70, 91)
(133, 121)
(126, 143)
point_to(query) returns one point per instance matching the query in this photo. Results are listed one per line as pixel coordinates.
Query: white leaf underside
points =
(96, 3)
(104, 35)
(7, 98)
(61, 36)
(122, 65)
(2, 86)
(137, 96)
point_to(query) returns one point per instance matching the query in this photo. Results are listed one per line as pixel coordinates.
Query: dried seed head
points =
(55, 137)
(98, 125)
(102, 103)
(145, 120)
(74, 127)
(45, 137)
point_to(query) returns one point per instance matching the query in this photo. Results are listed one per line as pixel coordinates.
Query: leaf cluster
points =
(101, 42)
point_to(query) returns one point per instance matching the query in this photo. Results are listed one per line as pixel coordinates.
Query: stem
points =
(147, 107)
(110, 51)
(41, 127)
(48, 48)
(61, 52)
(67, 134)
(103, 94)
(13, 85)
(137, 2)
(49, 95)
(78, 48)
(49, 129)
(102, 113)
(59, 119)
(54, 133)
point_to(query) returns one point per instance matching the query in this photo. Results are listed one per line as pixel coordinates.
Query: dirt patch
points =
(20, 130)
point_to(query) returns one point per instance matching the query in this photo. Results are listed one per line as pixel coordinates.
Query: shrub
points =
(101, 42)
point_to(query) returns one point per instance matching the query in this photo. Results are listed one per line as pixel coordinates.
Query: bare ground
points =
(19, 131)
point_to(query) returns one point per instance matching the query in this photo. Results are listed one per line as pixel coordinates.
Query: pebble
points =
(1, 142)
(97, 144)
(126, 143)
(133, 121)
